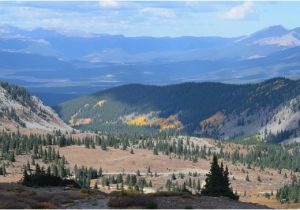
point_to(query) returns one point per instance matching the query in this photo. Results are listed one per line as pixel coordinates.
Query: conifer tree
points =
(150, 183)
(217, 181)
(25, 177)
(247, 178)
(258, 178)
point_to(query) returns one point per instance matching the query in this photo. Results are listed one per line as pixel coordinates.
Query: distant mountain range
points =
(270, 109)
(52, 62)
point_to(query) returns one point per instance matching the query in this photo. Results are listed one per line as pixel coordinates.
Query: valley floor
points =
(116, 161)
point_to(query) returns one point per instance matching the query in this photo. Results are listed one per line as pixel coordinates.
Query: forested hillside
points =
(208, 109)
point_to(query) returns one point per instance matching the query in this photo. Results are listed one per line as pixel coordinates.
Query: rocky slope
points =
(217, 110)
(19, 111)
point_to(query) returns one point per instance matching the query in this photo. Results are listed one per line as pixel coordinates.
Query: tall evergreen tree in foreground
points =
(217, 181)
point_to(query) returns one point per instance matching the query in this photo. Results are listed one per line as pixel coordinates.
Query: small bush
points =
(43, 205)
(267, 195)
(166, 194)
(48, 205)
(85, 191)
(119, 202)
(126, 193)
(124, 201)
(70, 183)
(151, 205)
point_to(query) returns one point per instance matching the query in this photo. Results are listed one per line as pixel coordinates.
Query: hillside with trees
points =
(206, 109)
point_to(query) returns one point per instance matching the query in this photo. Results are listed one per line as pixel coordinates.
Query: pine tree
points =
(96, 185)
(48, 171)
(226, 182)
(247, 178)
(198, 185)
(214, 177)
(103, 145)
(155, 152)
(3, 170)
(173, 177)
(37, 169)
(217, 181)
(168, 185)
(25, 178)
(122, 187)
(100, 172)
(258, 178)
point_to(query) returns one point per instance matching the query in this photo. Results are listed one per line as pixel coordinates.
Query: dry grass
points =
(117, 161)
(14, 196)
(176, 201)
(272, 203)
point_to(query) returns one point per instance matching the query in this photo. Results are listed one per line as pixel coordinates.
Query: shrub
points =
(125, 201)
(151, 205)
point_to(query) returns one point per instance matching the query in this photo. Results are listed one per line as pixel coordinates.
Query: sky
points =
(159, 18)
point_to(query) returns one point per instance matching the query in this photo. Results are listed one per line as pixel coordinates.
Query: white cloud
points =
(240, 11)
(158, 12)
(108, 3)
(109, 75)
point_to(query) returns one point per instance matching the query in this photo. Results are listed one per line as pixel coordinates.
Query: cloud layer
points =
(159, 18)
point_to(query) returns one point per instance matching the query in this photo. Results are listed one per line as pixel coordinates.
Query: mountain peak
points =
(272, 31)
(274, 35)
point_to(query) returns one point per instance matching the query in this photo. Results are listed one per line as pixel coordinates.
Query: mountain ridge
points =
(209, 109)
(63, 65)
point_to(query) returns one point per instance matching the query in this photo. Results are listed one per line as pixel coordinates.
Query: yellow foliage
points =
(101, 103)
(257, 137)
(138, 121)
(82, 121)
(172, 122)
(216, 118)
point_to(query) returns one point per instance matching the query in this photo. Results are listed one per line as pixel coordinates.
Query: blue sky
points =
(162, 18)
